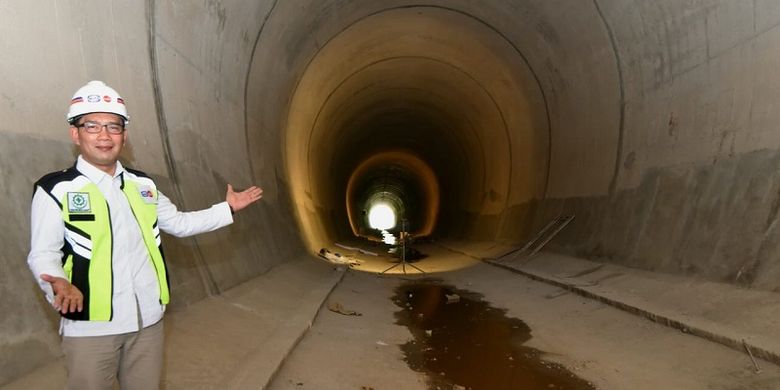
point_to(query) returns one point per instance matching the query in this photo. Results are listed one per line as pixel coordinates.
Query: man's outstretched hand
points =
(67, 297)
(239, 200)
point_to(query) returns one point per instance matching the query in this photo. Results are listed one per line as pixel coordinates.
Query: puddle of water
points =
(459, 340)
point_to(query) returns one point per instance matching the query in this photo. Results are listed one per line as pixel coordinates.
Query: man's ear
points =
(74, 135)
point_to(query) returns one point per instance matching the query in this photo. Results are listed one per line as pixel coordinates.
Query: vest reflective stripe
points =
(88, 253)
(88, 241)
(145, 210)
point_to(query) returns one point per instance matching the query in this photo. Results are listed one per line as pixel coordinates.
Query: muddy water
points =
(460, 342)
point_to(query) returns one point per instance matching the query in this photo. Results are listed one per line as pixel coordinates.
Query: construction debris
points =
(452, 298)
(338, 258)
(540, 240)
(755, 364)
(338, 308)
(356, 249)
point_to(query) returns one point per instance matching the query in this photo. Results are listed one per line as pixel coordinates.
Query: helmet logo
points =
(107, 99)
(93, 98)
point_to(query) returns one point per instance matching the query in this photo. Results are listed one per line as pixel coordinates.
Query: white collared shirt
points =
(134, 276)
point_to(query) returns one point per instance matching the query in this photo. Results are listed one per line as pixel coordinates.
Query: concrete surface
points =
(237, 340)
(736, 317)
(607, 346)
(739, 318)
(653, 121)
(240, 339)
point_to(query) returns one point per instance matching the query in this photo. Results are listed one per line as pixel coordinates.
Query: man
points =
(95, 249)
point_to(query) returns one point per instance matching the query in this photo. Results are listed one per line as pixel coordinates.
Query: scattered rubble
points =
(338, 258)
(338, 308)
(356, 249)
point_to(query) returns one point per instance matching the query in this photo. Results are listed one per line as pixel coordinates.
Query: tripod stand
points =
(404, 238)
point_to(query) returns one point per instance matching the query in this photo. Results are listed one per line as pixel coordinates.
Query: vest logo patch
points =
(147, 194)
(78, 202)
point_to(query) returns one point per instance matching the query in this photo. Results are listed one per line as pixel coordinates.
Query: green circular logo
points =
(79, 201)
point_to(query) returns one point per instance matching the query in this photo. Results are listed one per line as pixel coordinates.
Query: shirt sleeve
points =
(47, 234)
(185, 224)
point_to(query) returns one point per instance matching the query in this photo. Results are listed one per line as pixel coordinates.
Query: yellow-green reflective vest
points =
(88, 243)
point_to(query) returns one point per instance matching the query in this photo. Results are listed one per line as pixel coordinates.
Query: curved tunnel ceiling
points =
(435, 82)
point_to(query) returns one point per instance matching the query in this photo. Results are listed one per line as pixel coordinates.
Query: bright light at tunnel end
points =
(381, 217)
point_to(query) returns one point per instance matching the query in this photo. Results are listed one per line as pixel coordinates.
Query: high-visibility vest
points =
(88, 242)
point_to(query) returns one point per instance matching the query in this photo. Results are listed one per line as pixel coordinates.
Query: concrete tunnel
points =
(653, 122)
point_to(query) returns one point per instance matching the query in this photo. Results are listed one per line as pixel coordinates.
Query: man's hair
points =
(75, 120)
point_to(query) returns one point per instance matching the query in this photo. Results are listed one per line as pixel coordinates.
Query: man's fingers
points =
(65, 306)
(73, 305)
(256, 192)
(67, 298)
(239, 200)
(78, 301)
(70, 303)
(253, 190)
(57, 302)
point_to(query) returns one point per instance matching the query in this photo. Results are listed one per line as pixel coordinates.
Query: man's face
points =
(102, 148)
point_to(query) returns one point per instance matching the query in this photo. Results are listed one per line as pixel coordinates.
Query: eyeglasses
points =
(95, 127)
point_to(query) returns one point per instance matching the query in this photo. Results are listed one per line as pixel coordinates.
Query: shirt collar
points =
(93, 173)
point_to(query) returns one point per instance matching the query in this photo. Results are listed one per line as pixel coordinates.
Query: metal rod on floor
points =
(755, 364)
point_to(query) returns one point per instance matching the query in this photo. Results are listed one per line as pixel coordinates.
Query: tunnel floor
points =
(277, 331)
(366, 344)
(373, 257)
(460, 340)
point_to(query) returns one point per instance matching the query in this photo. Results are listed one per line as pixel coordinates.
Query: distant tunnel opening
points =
(427, 110)
(400, 181)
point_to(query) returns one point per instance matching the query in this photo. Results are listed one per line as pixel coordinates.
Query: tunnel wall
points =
(696, 188)
(181, 68)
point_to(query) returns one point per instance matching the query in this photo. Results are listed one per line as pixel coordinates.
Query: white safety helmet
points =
(96, 96)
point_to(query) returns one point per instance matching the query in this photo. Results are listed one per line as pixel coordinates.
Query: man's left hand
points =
(239, 200)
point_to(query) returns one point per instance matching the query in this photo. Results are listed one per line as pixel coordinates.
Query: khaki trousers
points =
(134, 359)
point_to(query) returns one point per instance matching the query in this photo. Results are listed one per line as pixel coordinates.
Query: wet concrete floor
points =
(461, 342)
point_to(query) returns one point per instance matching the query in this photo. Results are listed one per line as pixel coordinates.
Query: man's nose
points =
(103, 133)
